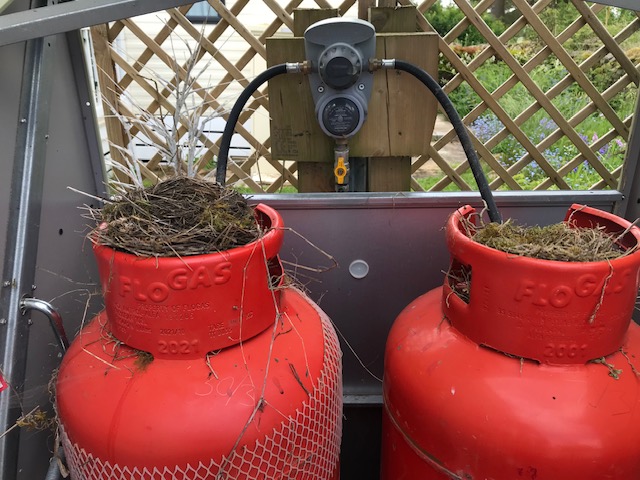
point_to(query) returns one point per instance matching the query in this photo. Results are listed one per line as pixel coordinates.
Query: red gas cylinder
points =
(532, 377)
(245, 381)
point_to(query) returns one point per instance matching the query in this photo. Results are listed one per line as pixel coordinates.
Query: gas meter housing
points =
(339, 51)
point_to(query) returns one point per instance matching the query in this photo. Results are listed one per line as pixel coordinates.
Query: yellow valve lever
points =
(340, 171)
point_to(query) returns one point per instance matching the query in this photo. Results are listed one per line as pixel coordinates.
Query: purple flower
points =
(485, 127)
(548, 124)
(604, 149)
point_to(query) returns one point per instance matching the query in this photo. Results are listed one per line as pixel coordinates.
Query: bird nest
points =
(180, 216)
(558, 241)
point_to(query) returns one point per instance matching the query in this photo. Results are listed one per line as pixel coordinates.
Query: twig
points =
(633, 368)
(292, 367)
(355, 354)
(613, 371)
(100, 199)
(602, 292)
(207, 361)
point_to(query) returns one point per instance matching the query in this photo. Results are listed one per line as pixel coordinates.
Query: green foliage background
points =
(493, 73)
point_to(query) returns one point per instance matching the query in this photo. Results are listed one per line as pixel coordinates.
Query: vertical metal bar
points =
(21, 246)
(81, 73)
(629, 207)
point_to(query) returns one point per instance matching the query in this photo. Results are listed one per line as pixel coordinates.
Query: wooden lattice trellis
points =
(122, 75)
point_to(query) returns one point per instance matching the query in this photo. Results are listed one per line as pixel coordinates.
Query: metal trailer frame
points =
(50, 141)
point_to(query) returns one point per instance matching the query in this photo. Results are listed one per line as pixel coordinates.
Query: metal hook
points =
(55, 319)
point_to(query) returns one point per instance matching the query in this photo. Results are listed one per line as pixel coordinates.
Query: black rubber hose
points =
(461, 131)
(223, 156)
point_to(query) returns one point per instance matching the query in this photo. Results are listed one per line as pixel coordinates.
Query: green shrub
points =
(494, 72)
(464, 98)
(443, 19)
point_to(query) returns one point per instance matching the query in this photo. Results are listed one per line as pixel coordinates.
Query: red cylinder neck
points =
(550, 311)
(181, 308)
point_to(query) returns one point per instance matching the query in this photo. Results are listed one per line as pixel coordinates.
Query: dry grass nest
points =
(180, 216)
(553, 242)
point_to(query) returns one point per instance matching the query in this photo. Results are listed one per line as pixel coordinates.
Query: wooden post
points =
(401, 112)
(363, 8)
(391, 174)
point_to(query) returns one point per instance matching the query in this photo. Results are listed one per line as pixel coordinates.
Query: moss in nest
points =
(554, 242)
(143, 360)
(178, 217)
(122, 351)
